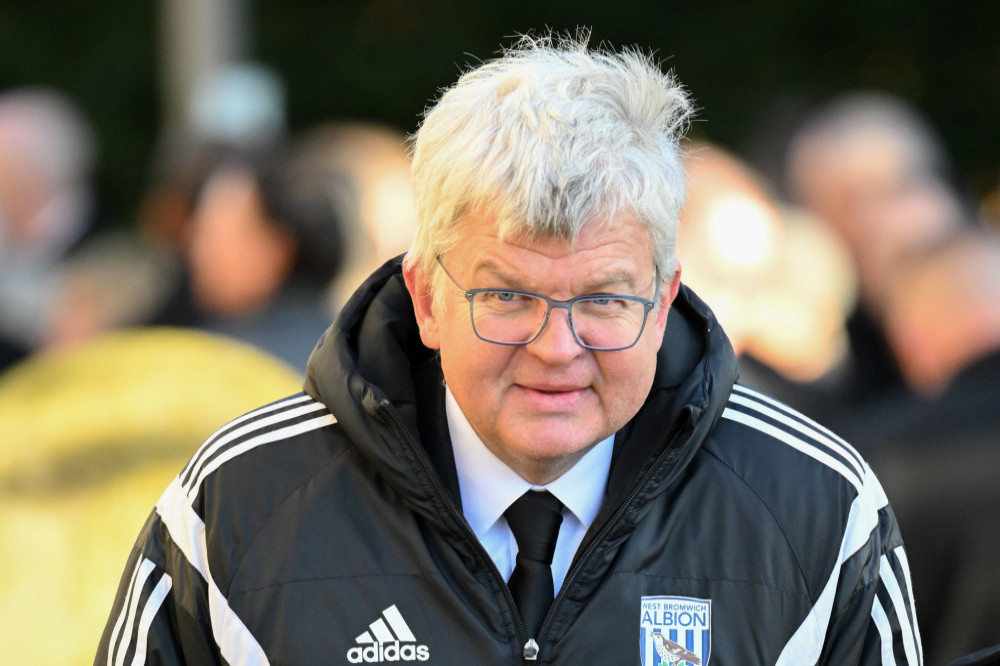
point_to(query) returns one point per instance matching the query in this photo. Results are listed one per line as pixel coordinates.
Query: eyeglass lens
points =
(515, 318)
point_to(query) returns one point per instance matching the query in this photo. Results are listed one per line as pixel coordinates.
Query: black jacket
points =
(326, 528)
(939, 459)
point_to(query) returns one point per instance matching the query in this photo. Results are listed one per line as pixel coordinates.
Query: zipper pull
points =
(530, 650)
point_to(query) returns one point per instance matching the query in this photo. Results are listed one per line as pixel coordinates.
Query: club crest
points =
(675, 631)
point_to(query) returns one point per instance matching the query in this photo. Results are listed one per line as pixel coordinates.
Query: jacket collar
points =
(374, 351)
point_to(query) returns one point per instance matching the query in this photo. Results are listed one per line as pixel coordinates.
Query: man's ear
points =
(667, 295)
(419, 286)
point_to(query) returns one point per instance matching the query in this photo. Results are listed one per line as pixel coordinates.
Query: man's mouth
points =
(547, 398)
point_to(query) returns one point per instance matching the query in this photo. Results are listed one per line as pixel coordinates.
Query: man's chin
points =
(554, 445)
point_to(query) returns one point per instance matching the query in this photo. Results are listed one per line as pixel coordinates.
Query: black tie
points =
(534, 520)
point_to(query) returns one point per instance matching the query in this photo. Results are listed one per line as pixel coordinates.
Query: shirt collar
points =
(488, 486)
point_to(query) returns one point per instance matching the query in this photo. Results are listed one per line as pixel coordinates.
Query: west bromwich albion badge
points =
(675, 631)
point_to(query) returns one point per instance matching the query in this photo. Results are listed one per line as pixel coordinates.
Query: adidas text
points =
(388, 652)
(388, 639)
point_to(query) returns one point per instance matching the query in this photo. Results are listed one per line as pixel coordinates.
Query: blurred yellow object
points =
(90, 437)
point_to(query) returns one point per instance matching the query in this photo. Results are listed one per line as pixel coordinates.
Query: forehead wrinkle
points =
(589, 285)
(494, 269)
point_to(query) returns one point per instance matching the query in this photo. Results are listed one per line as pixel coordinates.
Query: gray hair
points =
(547, 137)
(49, 134)
(854, 120)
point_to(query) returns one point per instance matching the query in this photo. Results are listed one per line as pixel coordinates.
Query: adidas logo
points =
(388, 639)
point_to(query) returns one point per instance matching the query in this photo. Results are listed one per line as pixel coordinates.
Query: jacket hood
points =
(374, 351)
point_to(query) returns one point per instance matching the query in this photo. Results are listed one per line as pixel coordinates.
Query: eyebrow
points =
(493, 269)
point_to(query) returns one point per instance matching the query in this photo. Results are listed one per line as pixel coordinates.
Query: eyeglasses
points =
(602, 322)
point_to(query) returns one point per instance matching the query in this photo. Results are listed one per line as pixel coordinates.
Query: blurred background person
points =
(94, 428)
(871, 167)
(266, 241)
(142, 276)
(780, 283)
(234, 109)
(920, 394)
(379, 212)
(48, 204)
(935, 442)
(236, 106)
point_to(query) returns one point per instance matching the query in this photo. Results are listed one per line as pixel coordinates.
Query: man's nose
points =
(556, 343)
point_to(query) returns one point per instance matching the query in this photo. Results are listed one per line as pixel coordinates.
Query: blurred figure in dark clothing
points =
(935, 444)
(129, 278)
(873, 169)
(235, 112)
(266, 241)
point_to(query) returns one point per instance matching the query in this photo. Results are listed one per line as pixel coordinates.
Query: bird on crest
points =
(671, 653)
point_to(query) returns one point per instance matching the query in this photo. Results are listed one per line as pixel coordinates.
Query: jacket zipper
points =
(527, 641)
(530, 648)
(588, 551)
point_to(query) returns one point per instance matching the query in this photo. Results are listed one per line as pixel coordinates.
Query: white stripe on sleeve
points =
(143, 571)
(881, 621)
(119, 623)
(237, 645)
(153, 604)
(896, 595)
(806, 643)
(900, 553)
(804, 446)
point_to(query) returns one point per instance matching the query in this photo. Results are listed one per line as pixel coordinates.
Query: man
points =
(535, 338)
(875, 171)
(934, 445)
(48, 208)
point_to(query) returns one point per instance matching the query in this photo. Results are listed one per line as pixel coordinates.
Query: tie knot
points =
(534, 520)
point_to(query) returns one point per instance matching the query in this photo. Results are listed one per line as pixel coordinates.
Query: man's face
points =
(539, 407)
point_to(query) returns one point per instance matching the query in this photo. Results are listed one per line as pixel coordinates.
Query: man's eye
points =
(604, 306)
(503, 298)
(606, 302)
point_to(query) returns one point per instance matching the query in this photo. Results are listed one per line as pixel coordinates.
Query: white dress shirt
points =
(488, 486)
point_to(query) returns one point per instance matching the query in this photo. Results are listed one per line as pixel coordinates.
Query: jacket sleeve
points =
(160, 613)
(864, 614)
(876, 622)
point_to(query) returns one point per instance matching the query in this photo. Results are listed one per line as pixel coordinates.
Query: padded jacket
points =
(326, 528)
